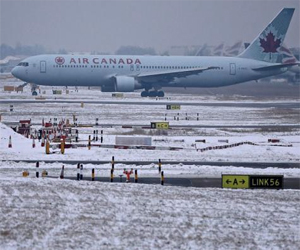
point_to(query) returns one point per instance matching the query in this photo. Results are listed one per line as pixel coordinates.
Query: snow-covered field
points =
(63, 214)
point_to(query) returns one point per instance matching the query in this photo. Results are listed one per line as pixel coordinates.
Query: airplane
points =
(234, 49)
(286, 57)
(127, 73)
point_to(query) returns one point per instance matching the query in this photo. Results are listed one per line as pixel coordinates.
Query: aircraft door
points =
(232, 69)
(42, 66)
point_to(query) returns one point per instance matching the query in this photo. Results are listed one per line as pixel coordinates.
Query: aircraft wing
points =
(168, 76)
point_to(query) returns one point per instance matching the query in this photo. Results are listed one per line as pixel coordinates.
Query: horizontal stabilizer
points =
(275, 67)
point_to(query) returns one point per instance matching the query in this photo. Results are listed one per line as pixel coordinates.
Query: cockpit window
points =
(24, 64)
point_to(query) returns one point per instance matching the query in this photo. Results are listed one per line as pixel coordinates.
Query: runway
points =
(260, 165)
(289, 183)
(281, 105)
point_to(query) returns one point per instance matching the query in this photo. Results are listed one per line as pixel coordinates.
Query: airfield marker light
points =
(97, 135)
(37, 165)
(62, 146)
(162, 178)
(93, 174)
(25, 173)
(62, 172)
(76, 137)
(135, 176)
(9, 142)
(43, 141)
(47, 147)
(111, 175)
(81, 172)
(113, 162)
(78, 171)
(44, 173)
(33, 142)
(159, 166)
(89, 143)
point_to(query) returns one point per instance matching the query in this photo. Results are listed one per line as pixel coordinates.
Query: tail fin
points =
(266, 46)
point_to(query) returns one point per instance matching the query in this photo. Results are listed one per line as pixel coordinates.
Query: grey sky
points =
(104, 26)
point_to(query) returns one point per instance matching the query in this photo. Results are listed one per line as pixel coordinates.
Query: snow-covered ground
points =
(263, 151)
(63, 214)
(142, 114)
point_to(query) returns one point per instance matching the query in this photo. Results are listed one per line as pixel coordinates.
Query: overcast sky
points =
(104, 26)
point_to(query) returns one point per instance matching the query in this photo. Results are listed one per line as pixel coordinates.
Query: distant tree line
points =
(135, 50)
(25, 50)
(31, 50)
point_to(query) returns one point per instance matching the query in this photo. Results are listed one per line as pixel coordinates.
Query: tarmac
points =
(257, 165)
(283, 105)
(289, 183)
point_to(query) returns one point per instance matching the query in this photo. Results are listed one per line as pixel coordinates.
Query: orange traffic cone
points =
(33, 142)
(9, 142)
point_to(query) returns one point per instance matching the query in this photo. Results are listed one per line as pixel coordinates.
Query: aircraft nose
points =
(14, 72)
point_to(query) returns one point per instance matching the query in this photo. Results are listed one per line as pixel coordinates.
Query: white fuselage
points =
(80, 70)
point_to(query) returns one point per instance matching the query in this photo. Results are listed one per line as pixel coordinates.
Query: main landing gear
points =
(152, 93)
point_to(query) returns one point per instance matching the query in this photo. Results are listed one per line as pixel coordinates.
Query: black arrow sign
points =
(242, 181)
(228, 181)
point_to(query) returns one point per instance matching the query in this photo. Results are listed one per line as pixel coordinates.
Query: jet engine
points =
(124, 83)
(121, 84)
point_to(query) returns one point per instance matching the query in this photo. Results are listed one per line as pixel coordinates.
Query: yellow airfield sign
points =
(160, 125)
(173, 107)
(235, 181)
(253, 181)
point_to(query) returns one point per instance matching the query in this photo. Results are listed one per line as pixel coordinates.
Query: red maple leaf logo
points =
(60, 60)
(269, 44)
